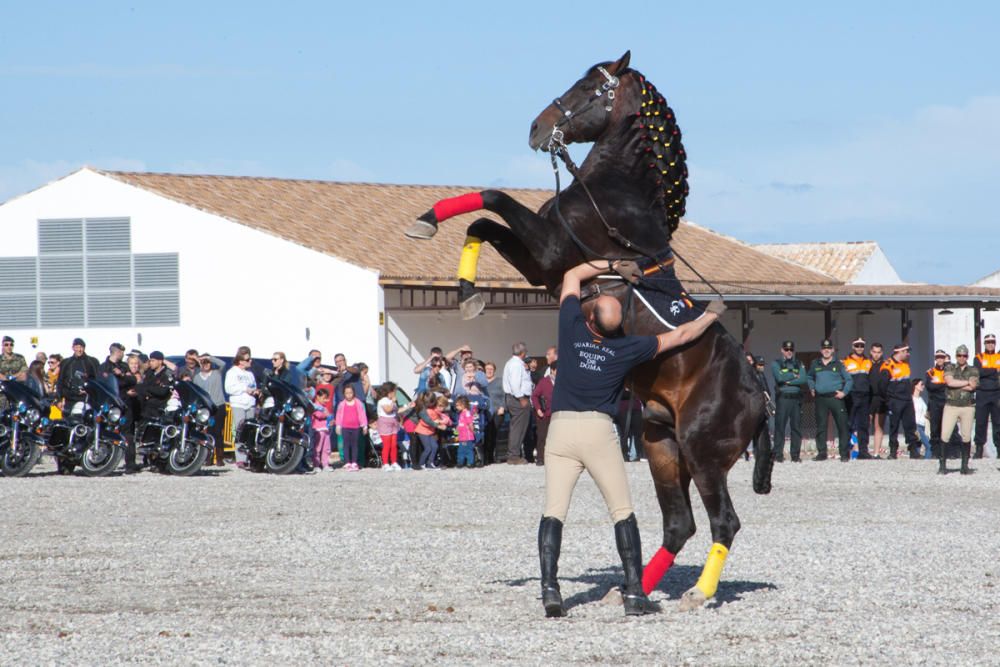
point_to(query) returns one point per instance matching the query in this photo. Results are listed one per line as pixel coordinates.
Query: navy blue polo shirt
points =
(591, 368)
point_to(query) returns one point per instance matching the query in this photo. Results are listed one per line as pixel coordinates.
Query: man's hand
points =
(523, 401)
(540, 414)
(716, 306)
(838, 394)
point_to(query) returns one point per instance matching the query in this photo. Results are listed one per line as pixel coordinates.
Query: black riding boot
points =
(979, 452)
(893, 450)
(630, 550)
(549, 543)
(966, 449)
(942, 458)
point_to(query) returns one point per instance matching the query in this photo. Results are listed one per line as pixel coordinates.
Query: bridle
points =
(606, 90)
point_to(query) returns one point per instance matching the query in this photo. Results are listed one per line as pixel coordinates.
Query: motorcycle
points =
(178, 442)
(275, 440)
(22, 428)
(90, 436)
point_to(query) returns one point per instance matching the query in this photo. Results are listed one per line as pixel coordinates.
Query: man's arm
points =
(450, 357)
(686, 332)
(848, 381)
(811, 377)
(579, 274)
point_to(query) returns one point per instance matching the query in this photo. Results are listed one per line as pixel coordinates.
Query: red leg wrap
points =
(447, 208)
(657, 567)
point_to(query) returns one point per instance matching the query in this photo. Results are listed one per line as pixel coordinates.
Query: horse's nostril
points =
(534, 126)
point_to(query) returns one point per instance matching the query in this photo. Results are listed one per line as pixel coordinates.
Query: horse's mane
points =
(660, 140)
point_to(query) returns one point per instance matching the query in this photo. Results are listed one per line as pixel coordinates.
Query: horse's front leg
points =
(510, 247)
(519, 217)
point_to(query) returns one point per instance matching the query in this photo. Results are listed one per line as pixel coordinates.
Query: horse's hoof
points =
(421, 229)
(472, 307)
(692, 599)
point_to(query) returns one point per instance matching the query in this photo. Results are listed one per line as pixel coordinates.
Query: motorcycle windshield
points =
(190, 393)
(20, 392)
(282, 391)
(103, 390)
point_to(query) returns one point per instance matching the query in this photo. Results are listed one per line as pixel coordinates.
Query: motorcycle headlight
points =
(32, 416)
(114, 415)
(202, 415)
(298, 413)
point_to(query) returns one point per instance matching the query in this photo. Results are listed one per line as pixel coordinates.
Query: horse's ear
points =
(621, 64)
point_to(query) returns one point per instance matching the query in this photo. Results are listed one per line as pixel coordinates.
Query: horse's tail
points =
(763, 458)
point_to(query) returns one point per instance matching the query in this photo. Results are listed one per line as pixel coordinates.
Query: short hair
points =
(322, 391)
(190, 353)
(878, 345)
(519, 348)
(340, 354)
(436, 350)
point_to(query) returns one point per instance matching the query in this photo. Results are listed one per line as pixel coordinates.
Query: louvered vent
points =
(109, 309)
(61, 273)
(17, 274)
(109, 272)
(111, 235)
(156, 271)
(18, 311)
(60, 236)
(157, 309)
(62, 310)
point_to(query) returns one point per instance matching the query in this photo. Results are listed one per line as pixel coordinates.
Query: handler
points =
(594, 359)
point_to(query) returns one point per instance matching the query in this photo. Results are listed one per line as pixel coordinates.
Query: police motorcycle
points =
(23, 427)
(90, 436)
(275, 441)
(178, 442)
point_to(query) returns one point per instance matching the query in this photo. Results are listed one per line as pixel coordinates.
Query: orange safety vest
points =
(898, 370)
(989, 360)
(855, 365)
(935, 375)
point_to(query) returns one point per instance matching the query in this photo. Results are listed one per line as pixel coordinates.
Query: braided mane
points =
(660, 145)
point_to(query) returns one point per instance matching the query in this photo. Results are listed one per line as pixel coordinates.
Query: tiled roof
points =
(843, 261)
(363, 223)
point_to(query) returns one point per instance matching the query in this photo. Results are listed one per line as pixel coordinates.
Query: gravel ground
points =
(878, 562)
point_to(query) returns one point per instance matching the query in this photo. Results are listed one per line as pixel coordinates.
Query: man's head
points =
(317, 358)
(519, 349)
(749, 356)
(551, 355)
(901, 352)
(961, 355)
(990, 343)
(116, 352)
(8, 345)
(876, 351)
(340, 361)
(205, 362)
(940, 359)
(278, 360)
(858, 347)
(826, 349)
(787, 349)
(191, 359)
(606, 316)
(466, 353)
(758, 362)
(79, 347)
(156, 360)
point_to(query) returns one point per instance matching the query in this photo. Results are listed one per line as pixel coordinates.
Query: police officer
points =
(858, 366)
(156, 386)
(789, 379)
(898, 397)
(115, 367)
(829, 382)
(988, 394)
(937, 390)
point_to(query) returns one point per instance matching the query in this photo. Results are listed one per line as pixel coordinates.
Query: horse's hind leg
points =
(711, 482)
(510, 247)
(671, 480)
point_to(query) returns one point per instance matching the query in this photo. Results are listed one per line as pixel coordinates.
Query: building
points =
(168, 261)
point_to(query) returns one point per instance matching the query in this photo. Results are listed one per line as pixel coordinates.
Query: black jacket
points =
(74, 371)
(154, 392)
(123, 378)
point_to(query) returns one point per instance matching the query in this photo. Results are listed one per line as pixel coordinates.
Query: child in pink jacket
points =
(351, 422)
(320, 430)
(466, 432)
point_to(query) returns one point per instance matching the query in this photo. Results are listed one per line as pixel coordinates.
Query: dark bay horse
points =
(703, 404)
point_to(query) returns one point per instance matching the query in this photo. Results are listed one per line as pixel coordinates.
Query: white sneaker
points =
(385, 466)
(395, 466)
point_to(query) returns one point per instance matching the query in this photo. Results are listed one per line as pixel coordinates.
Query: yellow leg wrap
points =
(469, 262)
(708, 582)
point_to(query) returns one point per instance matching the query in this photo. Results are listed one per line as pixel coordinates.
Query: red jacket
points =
(541, 397)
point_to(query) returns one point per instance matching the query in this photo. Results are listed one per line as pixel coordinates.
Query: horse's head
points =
(583, 112)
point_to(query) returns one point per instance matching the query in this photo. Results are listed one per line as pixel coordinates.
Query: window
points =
(85, 275)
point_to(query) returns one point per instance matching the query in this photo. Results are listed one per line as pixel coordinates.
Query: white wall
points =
(412, 334)
(956, 329)
(238, 286)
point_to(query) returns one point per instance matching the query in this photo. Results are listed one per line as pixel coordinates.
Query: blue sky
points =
(802, 121)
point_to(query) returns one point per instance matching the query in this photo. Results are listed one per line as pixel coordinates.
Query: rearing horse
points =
(703, 404)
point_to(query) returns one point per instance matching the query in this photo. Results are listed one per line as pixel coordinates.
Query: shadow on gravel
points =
(679, 579)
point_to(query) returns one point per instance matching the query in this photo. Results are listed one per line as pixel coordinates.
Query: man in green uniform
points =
(789, 378)
(829, 382)
(12, 366)
(962, 379)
